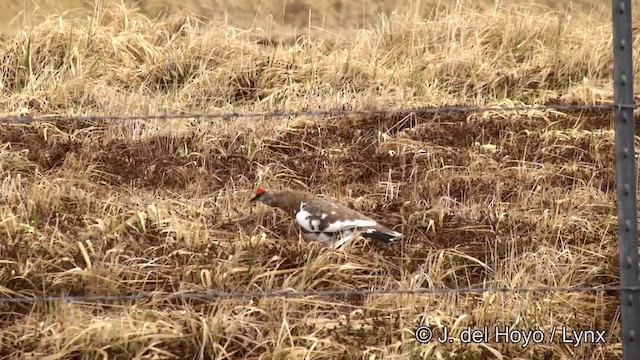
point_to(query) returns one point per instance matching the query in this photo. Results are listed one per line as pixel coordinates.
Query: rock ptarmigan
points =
(323, 219)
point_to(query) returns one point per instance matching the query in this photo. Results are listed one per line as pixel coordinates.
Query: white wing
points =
(349, 224)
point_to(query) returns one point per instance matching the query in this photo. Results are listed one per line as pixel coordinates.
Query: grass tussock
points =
(501, 199)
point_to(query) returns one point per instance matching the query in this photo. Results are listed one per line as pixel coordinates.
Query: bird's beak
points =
(254, 198)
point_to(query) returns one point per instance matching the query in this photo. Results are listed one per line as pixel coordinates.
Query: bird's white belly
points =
(318, 236)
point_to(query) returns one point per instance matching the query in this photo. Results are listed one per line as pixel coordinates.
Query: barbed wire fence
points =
(623, 108)
(317, 113)
(211, 295)
(623, 80)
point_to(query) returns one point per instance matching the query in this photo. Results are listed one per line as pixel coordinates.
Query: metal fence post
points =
(626, 177)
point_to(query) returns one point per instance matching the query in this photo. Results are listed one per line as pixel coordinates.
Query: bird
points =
(323, 219)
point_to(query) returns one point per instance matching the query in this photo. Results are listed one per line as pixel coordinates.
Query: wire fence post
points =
(626, 177)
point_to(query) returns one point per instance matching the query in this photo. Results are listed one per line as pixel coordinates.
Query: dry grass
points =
(282, 16)
(502, 199)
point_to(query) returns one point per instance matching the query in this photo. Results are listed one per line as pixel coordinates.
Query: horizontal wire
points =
(290, 294)
(205, 295)
(315, 113)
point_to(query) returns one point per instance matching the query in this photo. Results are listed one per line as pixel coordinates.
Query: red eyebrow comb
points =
(259, 191)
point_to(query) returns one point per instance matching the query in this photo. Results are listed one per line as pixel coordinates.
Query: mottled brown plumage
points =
(324, 219)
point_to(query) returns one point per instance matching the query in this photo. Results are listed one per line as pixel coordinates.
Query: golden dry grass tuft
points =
(124, 207)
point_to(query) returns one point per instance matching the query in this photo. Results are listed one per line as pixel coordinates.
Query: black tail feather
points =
(383, 236)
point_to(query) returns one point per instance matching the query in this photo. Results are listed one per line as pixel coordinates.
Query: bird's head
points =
(263, 196)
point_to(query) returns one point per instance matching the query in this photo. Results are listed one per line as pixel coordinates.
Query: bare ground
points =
(496, 190)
